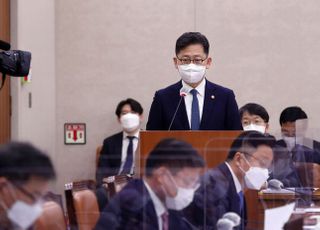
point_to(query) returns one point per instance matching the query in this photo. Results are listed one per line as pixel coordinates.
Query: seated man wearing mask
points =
(254, 117)
(222, 188)
(294, 147)
(118, 151)
(171, 176)
(25, 173)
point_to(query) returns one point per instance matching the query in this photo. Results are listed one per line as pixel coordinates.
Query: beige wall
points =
(105, 51)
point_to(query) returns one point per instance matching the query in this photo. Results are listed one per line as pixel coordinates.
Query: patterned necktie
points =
(165, 221)
(128, 164)
(240, 194)
(195, 114)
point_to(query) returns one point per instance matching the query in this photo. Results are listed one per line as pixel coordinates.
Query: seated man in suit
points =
(222, 188)
(25, 173)
(254, 117)
(293, 147)
(193, 102)
(118, 151)
(171, 176)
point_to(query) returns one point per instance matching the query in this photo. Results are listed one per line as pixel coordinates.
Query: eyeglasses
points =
(263, 164)
(187, 61)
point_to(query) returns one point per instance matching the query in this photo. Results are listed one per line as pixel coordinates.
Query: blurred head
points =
(293, 122)
(192, 57)
(254, 117)
(130, 115)
(173, 164)
(25, 173)
(251, 152)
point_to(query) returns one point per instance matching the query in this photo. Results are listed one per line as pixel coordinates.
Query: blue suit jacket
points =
(216, 196)
(132, 208)
(220, 111)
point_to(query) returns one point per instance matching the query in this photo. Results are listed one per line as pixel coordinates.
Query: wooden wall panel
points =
(5, 106)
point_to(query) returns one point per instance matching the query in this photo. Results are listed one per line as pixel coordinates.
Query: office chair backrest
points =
(86, 209)
(52, 217)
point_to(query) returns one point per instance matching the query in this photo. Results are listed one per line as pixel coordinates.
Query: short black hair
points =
(20, 161)
(249, 140)
(135, 106)
(173, 154)
(255, 109)
(291, 114)
(192, 38)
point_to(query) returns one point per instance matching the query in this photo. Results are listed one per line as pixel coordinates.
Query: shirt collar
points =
(235, 179)
(157, 203)
(136, 134)
(200, 88)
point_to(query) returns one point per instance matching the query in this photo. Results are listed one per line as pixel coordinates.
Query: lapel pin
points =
(212, 96)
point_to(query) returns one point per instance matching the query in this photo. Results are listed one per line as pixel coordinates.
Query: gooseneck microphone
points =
(183, 93)
(4, 45)
(228, 221)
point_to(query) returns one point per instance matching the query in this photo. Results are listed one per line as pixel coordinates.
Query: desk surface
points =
(286, 196)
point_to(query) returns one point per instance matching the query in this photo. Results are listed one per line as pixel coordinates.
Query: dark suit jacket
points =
(132, 208)
(216, 196)
(283, 162)
(110, 158)
(219, 113)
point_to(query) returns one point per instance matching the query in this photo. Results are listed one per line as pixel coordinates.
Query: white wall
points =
(33, 29)
(105, 51)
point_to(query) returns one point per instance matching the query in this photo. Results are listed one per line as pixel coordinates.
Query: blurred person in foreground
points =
(222, 188)
(25, 173)
(171, 177)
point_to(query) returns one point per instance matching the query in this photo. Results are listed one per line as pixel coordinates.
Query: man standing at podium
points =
(193, 103)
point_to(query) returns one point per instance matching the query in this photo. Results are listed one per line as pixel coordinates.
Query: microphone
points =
(275, 184)
(234, 217)
(4, 45)
(183, 93)
(225, 224)
(228, 221)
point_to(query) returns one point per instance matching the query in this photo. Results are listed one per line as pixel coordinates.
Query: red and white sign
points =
(75, 133)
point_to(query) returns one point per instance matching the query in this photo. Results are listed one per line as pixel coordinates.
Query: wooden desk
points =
(273, 200)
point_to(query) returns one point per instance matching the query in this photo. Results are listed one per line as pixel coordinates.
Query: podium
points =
(212, 145)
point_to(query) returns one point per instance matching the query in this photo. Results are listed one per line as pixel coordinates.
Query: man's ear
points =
(209, 62)
(158, 173)
(237, 157)
(267, 127)
(141, 117)
(175, 62)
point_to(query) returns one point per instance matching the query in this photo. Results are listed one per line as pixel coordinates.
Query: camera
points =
(15, 63)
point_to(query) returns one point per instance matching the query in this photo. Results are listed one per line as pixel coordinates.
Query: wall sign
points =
(74, 133)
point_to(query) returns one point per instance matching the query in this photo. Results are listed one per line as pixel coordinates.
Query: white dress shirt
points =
(188, 98)
(125, 144)
(158, 205)
(235, 179)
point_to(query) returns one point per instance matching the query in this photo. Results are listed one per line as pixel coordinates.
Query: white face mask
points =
(183, 198)
(253, 127)
(192, 73)
(24, 215)
(130, 122)
(290, 142)
(255, 177)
